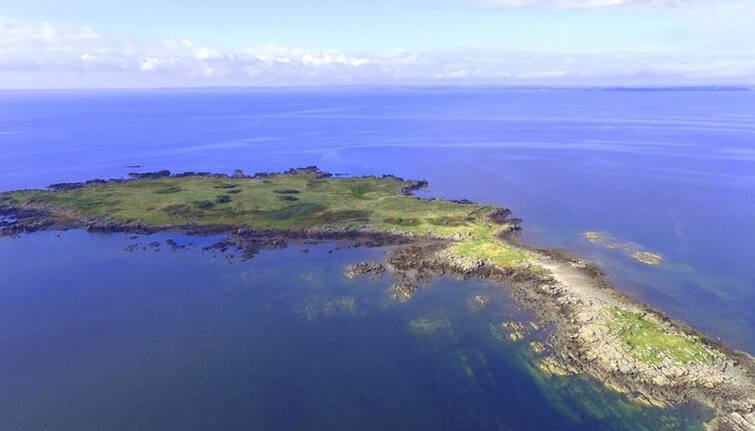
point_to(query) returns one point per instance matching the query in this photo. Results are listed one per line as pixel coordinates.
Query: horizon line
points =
(628, 87)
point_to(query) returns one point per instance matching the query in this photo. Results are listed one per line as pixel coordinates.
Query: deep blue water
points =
(84, 321)
(99, 338)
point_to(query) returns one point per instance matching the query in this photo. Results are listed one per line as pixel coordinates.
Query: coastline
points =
(569, 295)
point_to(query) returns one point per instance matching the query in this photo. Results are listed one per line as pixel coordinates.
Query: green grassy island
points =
(297, 200)
(596, 330)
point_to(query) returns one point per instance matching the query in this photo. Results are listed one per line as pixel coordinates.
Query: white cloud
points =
(203, 53)
(46, 55)
(149, 64)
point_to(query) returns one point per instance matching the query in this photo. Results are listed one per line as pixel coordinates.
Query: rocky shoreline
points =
(571, 296)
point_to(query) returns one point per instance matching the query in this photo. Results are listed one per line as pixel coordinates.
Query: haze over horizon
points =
(138, 44)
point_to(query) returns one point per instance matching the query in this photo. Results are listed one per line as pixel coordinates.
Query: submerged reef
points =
(593, 329)
(628, 248)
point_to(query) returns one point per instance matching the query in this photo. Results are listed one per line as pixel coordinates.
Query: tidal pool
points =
(117, 332)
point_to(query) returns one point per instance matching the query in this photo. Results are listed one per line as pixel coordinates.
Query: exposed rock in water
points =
(14, 221)
(150, 175)
(596, 237)
(550, 365)
(647, 258)
(501, 215)
(462, 201)
(417, 185)
(537, 347)
(361, 269)
(633, 250)
(222, 245)
(512, 331)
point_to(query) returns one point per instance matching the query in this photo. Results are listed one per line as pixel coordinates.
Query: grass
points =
(291, 201)
(483, 245)
(648, 341)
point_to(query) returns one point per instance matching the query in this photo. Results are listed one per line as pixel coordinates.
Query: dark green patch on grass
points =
(204, 205)
(222, 199)
(299, 209)
(286, 191)
(344, 216)
(225, 186)
(399, 221)
(359, 191)
(315, 183)
(181, 210)
(233, 192)
(95, 202)
(447, 221)
(288, 198)
(174, 189)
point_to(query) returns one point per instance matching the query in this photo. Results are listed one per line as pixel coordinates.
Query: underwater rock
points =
(173, 244)
(403, 291)
(344, 306)
(631, 249)
(478, 302)
(429, 325)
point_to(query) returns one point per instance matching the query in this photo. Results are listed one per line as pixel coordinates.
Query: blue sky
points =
(118, 43)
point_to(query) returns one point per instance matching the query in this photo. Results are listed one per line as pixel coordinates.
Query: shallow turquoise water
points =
(96, 337)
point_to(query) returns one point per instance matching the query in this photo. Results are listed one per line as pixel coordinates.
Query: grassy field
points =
(648, 341)
(290, 202)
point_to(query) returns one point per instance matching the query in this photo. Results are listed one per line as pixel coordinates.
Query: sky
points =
(187, 43)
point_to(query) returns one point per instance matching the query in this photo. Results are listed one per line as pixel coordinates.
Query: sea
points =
(124, 332)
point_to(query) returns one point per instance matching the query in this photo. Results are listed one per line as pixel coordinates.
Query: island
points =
(593, 328)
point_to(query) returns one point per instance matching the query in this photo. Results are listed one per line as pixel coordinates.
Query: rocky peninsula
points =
(593, 328)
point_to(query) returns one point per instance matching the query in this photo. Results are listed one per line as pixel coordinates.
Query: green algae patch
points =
(648, 341)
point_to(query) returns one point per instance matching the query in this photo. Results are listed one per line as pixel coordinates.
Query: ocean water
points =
(96, 337)
(99, 338)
